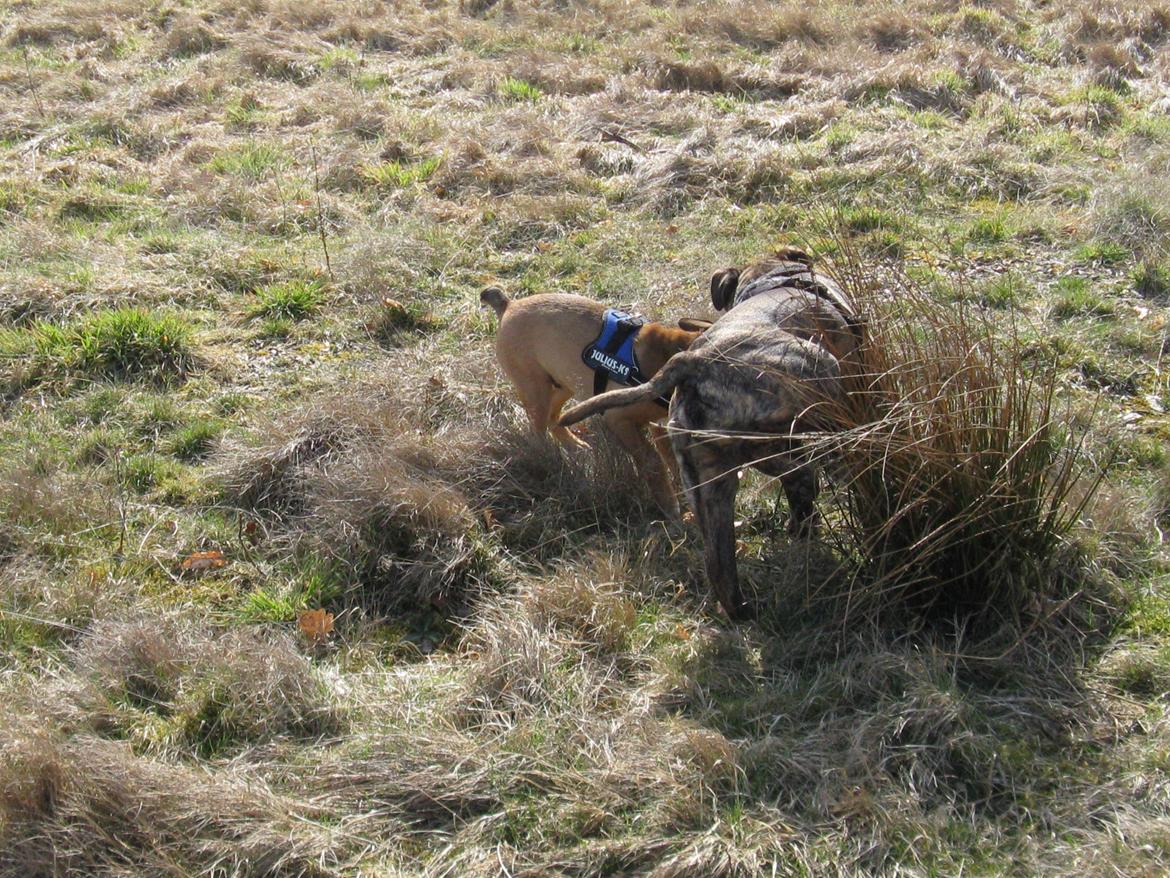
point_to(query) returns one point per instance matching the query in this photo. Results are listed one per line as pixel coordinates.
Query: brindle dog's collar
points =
(794, 275)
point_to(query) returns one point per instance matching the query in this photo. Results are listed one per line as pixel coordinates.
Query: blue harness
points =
(611, 355)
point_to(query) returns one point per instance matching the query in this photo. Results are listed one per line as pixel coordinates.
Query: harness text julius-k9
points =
(611, 354)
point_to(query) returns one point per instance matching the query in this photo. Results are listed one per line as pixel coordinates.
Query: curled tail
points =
(495, 297)
(661, 385)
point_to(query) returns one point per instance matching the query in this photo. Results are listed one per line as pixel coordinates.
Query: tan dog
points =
(539, 347)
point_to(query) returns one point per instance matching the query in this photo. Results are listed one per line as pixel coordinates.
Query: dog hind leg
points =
(541, 397)
(661, 440)
(564, 435)
(800, 483)
(711, 491)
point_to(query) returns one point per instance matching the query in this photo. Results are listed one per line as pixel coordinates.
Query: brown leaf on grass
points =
(201, 562)
(316, 625)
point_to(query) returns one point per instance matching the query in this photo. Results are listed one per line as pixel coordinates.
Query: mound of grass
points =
(1075, 297)
(1104, 253)
(178, 688)
(392, 322)
(1005, 291)
(989, 230)
(117, 344)
(252, 160)
(91, 806)
(194, 440)
(1151, 279)
(1097, 106)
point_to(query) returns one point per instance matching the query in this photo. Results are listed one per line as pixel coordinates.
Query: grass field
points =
(245, 374)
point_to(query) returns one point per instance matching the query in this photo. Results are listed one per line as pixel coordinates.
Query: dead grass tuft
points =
(82, 805)
(404, 538)
(42, 507)
(699, 76)
(168, 686)
(190, 35)
(757, 25)
(277, 60)
(891, 30)
(405, 516)
(1132, 209)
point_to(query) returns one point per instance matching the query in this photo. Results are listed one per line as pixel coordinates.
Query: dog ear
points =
(723, 286)
(693, 324)
(794, 254)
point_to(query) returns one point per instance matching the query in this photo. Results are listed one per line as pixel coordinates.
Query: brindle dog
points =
(766, 371)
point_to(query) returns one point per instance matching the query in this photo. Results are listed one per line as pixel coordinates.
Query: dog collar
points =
(799, 277)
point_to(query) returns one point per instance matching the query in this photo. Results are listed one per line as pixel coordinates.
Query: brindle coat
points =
(766, 371)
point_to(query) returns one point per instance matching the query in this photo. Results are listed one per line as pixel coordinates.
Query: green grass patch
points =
(1107, 253)
(519, 90)
(1102, 107)
(1075, 297)
(143, 473)
(252, 160)
(91, 208)
(194, 440)
(244, 114)
(288, 300)
(122, 343)
(399, 175)
(989, 230)
(367, 81)
(1006, 291)
(870, 219)
(312, 584)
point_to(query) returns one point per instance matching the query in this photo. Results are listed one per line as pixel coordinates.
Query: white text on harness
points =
(608, 363)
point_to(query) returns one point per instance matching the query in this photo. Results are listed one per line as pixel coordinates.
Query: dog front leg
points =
(649, 464)
(801, 488)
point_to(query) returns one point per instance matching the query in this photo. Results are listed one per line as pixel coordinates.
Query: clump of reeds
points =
(960, 484)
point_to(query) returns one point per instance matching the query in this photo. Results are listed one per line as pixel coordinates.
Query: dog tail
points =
(495, 297)
(661, 385)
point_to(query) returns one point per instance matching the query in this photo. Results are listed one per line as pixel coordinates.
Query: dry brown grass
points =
(170, 688)
(962, 489)
(411, 518)
(83, 805)
(585, 713)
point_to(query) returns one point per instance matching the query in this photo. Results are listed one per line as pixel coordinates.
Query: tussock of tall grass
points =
(961, 487)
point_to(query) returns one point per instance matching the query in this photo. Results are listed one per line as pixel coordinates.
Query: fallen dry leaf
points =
(316, 625)
(201, 562)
